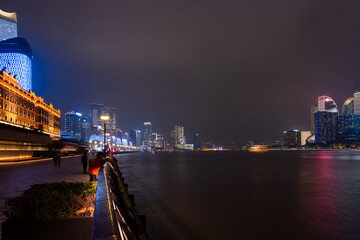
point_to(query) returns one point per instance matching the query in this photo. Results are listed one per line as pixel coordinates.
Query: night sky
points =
(236, 70)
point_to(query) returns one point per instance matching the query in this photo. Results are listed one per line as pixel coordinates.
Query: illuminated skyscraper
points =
(348, 107)
(135, 137)
(178, 136)
(357, 103)
(197, 144)
(73, 123)
(16, 57)
(147, 133)
(85, 128)
(325, 127)
(8, 25)
(160, 141)
(96, 110)
(111, 112)
(348, 128)
(312, 117)
(325, 120)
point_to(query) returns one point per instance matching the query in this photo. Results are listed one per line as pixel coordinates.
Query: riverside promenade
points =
(17, 177)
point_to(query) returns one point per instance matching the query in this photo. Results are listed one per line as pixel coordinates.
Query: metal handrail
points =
(115, 216)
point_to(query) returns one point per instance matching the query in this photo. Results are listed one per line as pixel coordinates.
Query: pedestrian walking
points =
(84, 160)
(95, 166)
(57, 160)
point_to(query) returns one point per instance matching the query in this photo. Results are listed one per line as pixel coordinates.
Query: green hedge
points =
(49, 201)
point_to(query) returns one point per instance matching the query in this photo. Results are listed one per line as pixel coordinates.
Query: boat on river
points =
(259, 148)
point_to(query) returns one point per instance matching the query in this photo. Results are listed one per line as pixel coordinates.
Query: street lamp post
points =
(105, 118)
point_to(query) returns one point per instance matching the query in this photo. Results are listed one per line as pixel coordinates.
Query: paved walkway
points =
(15, 178)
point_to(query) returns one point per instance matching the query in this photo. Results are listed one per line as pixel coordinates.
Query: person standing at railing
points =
(95, 166)
(84, 160)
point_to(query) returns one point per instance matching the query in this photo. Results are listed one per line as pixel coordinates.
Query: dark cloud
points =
(228, 69)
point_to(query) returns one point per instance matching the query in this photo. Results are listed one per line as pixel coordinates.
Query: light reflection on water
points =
(241, 195)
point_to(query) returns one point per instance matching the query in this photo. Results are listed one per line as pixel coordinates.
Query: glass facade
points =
(8, 29)
(292, 138)
(325, 127)
(348, 128)
(20, 65)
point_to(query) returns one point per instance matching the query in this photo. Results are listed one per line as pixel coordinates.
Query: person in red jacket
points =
(95, 166)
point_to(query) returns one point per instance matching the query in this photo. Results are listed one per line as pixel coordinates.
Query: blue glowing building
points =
(348, 128)
(8, 25)
(16, 57)
(325, 127)
(73, 124)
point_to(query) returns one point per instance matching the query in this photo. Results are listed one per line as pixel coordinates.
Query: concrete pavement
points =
(15, 178)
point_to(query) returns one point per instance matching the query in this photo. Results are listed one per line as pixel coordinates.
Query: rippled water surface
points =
(241, 195)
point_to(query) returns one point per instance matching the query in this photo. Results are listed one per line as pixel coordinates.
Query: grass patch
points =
(51, 201)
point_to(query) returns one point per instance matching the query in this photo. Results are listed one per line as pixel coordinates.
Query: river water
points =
(242, 195)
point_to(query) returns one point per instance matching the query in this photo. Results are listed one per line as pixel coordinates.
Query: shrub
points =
(51, 200)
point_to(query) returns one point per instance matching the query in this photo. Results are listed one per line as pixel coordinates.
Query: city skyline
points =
(258, 66)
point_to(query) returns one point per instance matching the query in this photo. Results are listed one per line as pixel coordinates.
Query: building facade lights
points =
(16, 58)
(23, 108)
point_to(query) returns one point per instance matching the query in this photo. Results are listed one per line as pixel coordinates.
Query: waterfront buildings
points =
(295, 138)
(331, 128)
(348, 124)
(22, 108)
(8, 25)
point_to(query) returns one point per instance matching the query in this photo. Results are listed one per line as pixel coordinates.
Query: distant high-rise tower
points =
(85, 128)
(325, 127)
(325, 120)
(357, 103)
(8, 25)
(96, 110)
(135, 137)
(111, 112)
(160, 141)
(178, 136)
(312, 117)
(73, 123)
(147, 133)
(348, 107)
(197, 144)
